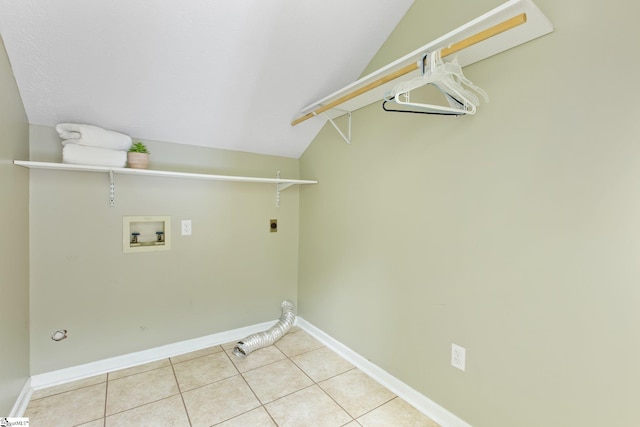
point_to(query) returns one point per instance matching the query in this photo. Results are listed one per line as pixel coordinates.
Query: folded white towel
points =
(95, 156)
(92, 136)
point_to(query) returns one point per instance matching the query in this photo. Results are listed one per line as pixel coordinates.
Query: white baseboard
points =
(419, 401)
(23, 401)
(402, 390)
(87, 370)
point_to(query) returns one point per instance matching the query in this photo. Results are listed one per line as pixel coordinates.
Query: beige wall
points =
(232, 272)
(514, 233)
(14, 240)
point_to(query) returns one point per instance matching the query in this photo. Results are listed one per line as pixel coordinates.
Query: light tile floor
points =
(296, 382)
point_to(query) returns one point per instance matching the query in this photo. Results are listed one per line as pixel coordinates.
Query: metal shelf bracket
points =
(346, 138)
(279, 187)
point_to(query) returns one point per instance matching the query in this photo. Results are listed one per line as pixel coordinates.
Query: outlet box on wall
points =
(146, 233)
(458, 356)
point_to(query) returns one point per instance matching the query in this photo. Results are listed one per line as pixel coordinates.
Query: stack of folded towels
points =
(91, 145)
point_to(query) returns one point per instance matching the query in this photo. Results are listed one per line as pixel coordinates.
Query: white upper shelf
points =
(536, 25)
(282, 183)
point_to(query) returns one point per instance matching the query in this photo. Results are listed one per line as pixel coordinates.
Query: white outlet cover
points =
(186, 227)
(458, 356)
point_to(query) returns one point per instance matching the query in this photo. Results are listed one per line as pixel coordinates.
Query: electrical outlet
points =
(458, 356)
(273, 225)
(186, 227)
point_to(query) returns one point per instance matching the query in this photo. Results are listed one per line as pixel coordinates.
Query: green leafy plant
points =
(138, 147)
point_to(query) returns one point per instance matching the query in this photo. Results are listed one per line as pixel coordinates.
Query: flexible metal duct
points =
(271, 335)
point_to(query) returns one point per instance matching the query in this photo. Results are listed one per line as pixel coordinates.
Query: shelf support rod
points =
(278, 188)
(112, 189)
(469, 41)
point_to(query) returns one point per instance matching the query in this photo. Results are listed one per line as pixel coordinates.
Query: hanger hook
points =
(422, 63)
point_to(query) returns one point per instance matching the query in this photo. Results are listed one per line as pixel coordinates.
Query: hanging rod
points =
(455, 47)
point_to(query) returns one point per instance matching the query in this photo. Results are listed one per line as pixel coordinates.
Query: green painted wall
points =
(14, 240)
(514, 233)
(232, 272)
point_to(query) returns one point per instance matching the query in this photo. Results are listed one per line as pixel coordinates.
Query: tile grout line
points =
(106, 396)
(103, 418)
(184, 404)
(222, 350)
(140, 406)
(146, 403)
(344, 409)
(208, 384)
(334, 376)
(261, 405)
(317, 384)
(252, 392)
(137, 373)
(65, 391)
(288, 394)
(379, 406)
(337, 403)
(325, 379)
(261, 366)
(313, 382)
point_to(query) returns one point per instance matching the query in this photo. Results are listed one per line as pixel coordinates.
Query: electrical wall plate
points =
(273, 225)
(458, 356)
(146, 233)
(185, 227)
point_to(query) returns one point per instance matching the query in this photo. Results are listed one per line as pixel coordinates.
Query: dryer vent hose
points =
(271, 335)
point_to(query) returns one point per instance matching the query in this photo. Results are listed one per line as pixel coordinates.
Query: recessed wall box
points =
(146, 233)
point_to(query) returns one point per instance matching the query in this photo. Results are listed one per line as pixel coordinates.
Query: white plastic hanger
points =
(448, 78)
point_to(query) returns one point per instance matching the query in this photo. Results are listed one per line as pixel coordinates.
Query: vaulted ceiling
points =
(228, 74)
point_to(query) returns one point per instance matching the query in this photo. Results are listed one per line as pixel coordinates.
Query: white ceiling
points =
(228, 74)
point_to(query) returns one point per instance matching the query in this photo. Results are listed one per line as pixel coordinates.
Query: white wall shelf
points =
(281, 183)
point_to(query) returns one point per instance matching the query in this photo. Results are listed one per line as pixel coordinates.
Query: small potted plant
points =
(138, 156)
